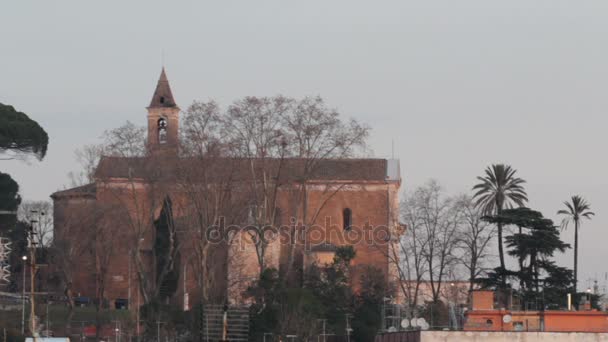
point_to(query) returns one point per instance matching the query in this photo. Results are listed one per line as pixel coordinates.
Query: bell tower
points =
(163, 118)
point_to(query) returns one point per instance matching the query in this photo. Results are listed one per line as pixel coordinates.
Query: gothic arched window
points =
(347, 219)
(162, 130)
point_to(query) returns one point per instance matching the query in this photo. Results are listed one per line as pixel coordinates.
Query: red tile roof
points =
(291, 169)
(88, 190)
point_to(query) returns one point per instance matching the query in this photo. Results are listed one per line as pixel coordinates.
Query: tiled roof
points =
(84, 190)
(242, 168)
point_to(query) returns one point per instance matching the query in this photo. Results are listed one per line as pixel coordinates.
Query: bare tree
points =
(250, 142)
(40, 214)
(134, 208)
(410, 263)
(87, 158)
(127, 140)
(439, 228)
(475, 238)
(75, 218)
(315, 132)
(101, 240)
(267, 130)
(208, 179)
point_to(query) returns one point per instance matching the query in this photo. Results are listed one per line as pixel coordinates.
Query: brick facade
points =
(368, 188)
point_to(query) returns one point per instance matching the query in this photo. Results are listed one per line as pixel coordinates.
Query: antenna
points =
(393, 149)
(162, 57)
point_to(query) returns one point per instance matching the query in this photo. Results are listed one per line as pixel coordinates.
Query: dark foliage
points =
(167, 267)
(331, 285)
(367, 319)
(264, 313)
(326, 295)
(535, 242)
(9, 193)
(10, 227)
(21, 134)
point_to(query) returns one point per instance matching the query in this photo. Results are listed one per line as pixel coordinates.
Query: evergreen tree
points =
(367, 319)
(534, 244)
(331, 284)
(9, 202)
(166, 253)
(20, 134)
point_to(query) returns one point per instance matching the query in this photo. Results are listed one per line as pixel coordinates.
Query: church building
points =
(200, 212)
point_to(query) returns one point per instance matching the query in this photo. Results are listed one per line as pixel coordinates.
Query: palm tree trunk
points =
(575, 255)
(501, 255)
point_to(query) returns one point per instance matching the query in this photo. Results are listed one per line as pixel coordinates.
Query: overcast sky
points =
(456, 84)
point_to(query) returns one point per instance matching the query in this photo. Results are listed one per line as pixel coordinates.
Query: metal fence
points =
(237, 323)
(444, 316)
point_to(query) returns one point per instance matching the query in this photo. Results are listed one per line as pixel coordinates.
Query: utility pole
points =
(324, 334)
(47, 317)
(116, 330)
(24, 258)
(81, 331)
(348, 328)
(32, 248)
(32, 280)
(138, 322)
(225, 323)
(129, 282)
(158, 323)
(185, 293)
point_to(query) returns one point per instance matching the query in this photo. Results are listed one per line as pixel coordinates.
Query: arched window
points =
(162, 99)
(162, 130)
(347, 219)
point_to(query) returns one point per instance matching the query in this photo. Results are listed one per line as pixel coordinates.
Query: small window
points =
(162, 130)
(347, 219)
(162, 99)
(489, 323)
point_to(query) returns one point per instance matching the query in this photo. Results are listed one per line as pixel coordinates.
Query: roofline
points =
(75, 192)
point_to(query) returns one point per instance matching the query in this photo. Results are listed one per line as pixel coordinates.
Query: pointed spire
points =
(163, 97)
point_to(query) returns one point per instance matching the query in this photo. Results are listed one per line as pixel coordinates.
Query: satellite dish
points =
(392, 329)
(507, 319)
(414, 322)
(421, 322)
(405, 323)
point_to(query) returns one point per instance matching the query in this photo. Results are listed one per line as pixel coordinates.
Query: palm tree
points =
(499, 189)
(575, 210)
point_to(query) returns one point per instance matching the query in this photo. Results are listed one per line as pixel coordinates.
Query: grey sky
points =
(457, 84)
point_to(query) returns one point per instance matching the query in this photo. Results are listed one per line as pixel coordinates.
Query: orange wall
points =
(555, 321)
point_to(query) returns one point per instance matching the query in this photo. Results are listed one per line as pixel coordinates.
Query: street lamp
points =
(24, 258)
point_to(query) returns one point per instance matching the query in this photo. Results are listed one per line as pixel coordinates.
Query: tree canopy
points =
(9, 193)
(534, 244)
(20, 134)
